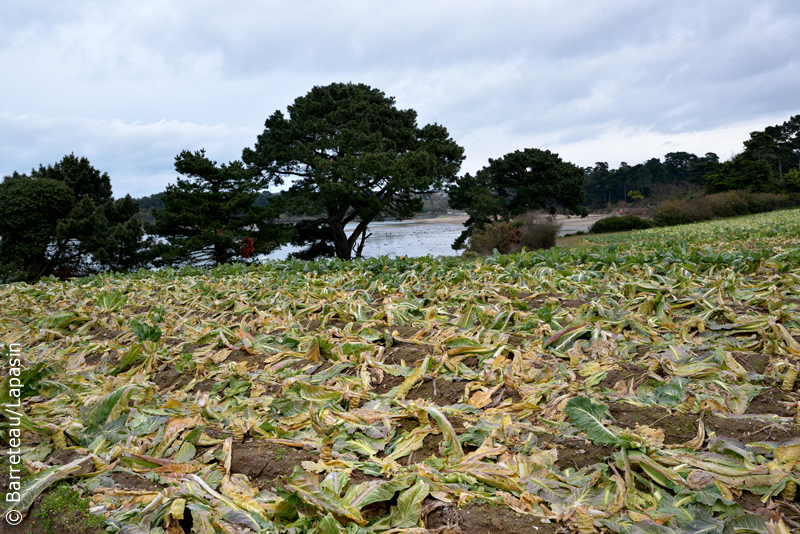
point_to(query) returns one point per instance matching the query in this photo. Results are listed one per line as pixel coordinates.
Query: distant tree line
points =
(346, 156)
(769, 163)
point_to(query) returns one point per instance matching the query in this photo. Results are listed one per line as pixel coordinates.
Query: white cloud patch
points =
(138, 157)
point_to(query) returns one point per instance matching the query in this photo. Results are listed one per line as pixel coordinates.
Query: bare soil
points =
(264, 462)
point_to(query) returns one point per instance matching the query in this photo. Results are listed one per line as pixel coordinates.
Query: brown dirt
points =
(98, 333)
(263, 462)
(93, 358)
(129, 481)
(388, 383)
(769, 402)
(486, 519)
(204, 386)
(407, 352)
(627, 372)
(430, 447)
(576, 452)
(171, 377)
(752, 361)
(65, 456)
(679, 428)
(442, 392)
(239, 355)
(750, 430)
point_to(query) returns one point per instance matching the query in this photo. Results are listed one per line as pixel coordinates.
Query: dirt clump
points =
(678, 428)
(128, 481)
(442, 392)
(627, 371)
(576, 452)
(483, 519)
(770, 401)
(387, 384)
(263, 462)
(239, 355)
(171, 378)
(407, 352)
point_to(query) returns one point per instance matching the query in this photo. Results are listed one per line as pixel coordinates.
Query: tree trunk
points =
(361, 230)
(340, 241)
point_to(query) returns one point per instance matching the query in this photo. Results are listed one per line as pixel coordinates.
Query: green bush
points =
(618, 223)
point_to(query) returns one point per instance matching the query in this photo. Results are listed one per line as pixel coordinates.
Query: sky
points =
(130, 84)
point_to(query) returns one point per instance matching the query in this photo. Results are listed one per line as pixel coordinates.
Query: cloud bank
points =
(131, 84)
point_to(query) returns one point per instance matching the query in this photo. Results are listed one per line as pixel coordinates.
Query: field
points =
(638, 383)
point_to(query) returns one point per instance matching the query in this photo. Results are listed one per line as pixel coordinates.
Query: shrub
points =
(492, 236)
(536, 232)
(761, 202)
(728, 204)
(673, 212)
(528, 231)
(620, 224)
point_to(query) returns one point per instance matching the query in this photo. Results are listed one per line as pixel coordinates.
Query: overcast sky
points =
(129, 84)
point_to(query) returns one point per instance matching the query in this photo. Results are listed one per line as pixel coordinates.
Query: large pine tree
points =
(209, 217)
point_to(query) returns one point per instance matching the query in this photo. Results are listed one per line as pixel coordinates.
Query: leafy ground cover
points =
(642, 383)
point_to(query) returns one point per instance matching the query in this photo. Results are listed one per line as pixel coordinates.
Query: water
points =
(416, 238)
(399, 238)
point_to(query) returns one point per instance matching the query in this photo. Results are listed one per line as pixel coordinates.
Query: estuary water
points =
(421, 237)
(412, 238)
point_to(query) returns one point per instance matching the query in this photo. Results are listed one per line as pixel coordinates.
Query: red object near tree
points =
(247, 248)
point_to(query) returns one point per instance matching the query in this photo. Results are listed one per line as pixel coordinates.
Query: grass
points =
(64, 510)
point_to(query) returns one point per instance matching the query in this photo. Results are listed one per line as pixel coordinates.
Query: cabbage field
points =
(642, 383)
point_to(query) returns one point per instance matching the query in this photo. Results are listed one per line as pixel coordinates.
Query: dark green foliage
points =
(84, 180)
(741, 172)
(145, 332)
(606, 186)
(63, 220)
(354, 157)
(29, 213)
(765, 163)
(527, 231)
(208, 216)
(763, 202)
(622, 223)
(522, 181)
(147, 204)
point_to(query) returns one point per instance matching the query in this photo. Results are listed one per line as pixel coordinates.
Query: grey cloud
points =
(546, 71)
